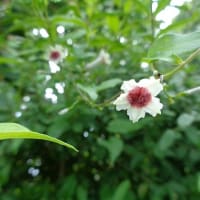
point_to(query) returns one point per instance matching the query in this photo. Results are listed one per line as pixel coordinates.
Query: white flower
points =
(57, 53)
(140, 98)
(103, 58)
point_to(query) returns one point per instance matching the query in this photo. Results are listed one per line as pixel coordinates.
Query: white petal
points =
(135, 114)
(154, 107)
(58, 48)
(104, 57)
(121, 102)
(153, 85)
(128, 85)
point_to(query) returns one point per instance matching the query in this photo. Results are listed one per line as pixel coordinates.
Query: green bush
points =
(156, 158)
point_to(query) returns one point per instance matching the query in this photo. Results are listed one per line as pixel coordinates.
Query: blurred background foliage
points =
(156, 158)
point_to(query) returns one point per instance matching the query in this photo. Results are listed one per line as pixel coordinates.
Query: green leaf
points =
(58, 127)
(16, 131)
(108, 84)
(193, 135)
(161, 5)
(82, 193)
(142, 190)
(125, 126)
(9, 60)
(180, 24)
(57, 19)
(198, 182)
(113, 23)
(128, 6)
(185, 120)
(166, 141)
(89, 90)
(68, 187)
(141, 6)
(173, 44)
(114, 146)
(5, 171)
(122, 126)
(77, 34)
(122, 190)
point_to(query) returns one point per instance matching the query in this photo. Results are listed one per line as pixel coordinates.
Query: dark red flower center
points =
(139, 97)
(55, 55)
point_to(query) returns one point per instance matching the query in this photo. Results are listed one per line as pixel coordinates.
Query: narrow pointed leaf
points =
(16, 131)
(108, 84)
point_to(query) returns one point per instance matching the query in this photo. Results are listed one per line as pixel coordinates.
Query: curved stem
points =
(152, 24)
(187, 92)
(192, 90)
(108, 101)
(181, 65)
(152, 19)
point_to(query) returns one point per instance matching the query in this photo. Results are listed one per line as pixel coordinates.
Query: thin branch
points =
(193, 90)
(181, 65)
(152, 24)
(152, 19)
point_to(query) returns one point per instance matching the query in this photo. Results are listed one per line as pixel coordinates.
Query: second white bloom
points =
(140, 98)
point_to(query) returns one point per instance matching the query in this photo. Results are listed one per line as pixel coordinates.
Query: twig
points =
(181, 65)
(152, 19)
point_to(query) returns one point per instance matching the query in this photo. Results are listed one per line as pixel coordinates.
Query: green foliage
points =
(15, 131)
(114, 146)
(108, 84)
(154, 159)
(122, 190)
(168, 139)
(173, 44)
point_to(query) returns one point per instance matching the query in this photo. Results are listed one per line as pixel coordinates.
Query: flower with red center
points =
(140, 98)
(56, 54)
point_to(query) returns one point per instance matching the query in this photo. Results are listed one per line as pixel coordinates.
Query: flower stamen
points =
(55, 55)
(139, 97)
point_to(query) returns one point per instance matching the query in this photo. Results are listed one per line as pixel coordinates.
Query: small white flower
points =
(57, 53)
(103, 58)
(140, 98)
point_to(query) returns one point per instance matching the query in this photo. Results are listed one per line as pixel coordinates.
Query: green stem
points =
(190, 91)
(181, 65)
(152, 20)
(96, 105)
(186, 92)
(152, 24)
(107, 102)
(193, 90)
(152, 67)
